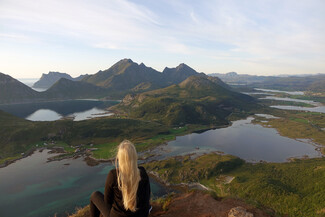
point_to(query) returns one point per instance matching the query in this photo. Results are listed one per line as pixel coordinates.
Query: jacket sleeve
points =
(147, 190)
(109, 191)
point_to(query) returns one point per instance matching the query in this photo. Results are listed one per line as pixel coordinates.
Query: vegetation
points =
(289, 103)
(19, 137)
(197, 100)
(285, 187)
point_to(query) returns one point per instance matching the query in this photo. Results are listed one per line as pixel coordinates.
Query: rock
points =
(239, 212)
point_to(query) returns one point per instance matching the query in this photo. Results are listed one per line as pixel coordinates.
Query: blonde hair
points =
(128, 174)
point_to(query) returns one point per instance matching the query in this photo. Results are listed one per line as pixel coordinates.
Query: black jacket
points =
(113, 196)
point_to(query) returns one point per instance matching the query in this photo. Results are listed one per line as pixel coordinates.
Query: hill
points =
(197, 100)
(67, 89)
(47, 80)
(12, 91)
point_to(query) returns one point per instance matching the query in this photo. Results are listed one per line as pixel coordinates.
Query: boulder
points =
(239, 212)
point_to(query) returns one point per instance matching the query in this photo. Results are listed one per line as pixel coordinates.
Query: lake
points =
(251, 142)
(319, 107)
(31, 187)
(51, 111)
(280, 91)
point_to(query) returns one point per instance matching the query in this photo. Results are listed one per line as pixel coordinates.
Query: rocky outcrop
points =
(200, 204)
(239, 212)
(196, 204)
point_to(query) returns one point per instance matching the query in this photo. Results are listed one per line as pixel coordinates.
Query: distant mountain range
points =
(314, 83)
(241, 79)
(122, 78)
(198, 99)
(47, 80)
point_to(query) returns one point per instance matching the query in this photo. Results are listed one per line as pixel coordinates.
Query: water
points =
(318, 106)
(51, 111)
(32, 187)
(44, 115)
(292, 100)
(320, 109)
(251, 142)
(280, 91)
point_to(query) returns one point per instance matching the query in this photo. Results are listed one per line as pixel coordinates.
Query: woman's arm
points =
(109, 192)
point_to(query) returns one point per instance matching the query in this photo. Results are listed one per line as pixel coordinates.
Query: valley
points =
(188, 128)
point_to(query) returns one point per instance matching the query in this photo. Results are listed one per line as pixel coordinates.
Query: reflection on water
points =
(92, 113)
(50, 111)
(248, 141)
(33, 188)
(44, 115)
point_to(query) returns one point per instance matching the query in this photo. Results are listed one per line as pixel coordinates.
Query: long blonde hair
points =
(128, 174)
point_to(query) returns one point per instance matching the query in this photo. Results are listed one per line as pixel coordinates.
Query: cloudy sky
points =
(261, 37)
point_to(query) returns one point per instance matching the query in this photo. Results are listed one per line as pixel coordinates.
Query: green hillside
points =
(12, 91)
(68, 89)
(197, 100)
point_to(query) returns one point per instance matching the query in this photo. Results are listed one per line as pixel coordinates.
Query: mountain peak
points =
(182, 65)
(196, 81)
(126, 60)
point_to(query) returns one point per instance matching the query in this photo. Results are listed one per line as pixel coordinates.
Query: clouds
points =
(245, 34)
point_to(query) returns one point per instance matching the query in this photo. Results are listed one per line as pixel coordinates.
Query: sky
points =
(261, 37)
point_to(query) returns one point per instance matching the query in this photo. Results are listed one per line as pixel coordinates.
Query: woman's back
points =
(127, 188)
(113, 195)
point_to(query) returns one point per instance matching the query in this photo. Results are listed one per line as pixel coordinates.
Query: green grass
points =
(293, 189)
(105, 151)
(286, 103)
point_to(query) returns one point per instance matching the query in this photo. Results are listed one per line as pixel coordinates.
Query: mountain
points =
(124, 75)
(127, 76)
(178, 74)
(234, 78)
(67, 89)
(197, 100)
(47, 80)
(12, 91)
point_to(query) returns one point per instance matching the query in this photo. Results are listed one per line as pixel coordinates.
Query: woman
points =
(127, 188)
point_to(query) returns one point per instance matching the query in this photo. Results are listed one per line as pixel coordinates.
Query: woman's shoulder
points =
(112, 174)
(143, 173)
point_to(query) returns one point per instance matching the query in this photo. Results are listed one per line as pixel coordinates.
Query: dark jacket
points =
(113, 196)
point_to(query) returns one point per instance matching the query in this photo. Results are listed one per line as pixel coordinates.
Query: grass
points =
(105, 151)
(287, 103)
(20, 136)
(293, 189)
